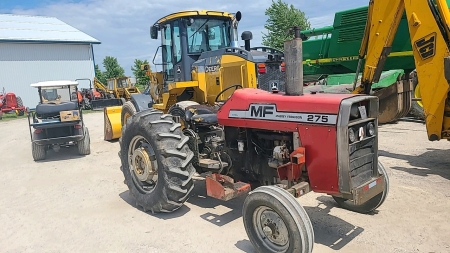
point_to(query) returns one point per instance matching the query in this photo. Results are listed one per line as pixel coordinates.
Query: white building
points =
(35, 48)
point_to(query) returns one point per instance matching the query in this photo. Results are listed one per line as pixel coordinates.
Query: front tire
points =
(128, 110)
(156, 161)
(371, 204)
(276, 222)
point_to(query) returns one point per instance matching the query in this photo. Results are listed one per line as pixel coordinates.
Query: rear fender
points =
(141, 101)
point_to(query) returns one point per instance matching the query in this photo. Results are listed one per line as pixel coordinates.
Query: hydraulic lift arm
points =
(428, 24)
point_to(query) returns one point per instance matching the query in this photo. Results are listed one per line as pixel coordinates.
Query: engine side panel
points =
(321, 157)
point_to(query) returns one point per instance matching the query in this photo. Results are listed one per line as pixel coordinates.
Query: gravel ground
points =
(69, 203)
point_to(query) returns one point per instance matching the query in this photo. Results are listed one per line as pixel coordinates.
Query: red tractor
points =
(275, 145)
(9, 102)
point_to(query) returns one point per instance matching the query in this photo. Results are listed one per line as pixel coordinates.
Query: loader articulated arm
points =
(428, 24)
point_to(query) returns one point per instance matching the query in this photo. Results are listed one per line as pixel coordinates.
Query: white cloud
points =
(123, 26)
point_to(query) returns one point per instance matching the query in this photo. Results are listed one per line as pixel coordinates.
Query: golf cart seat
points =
(48, 110)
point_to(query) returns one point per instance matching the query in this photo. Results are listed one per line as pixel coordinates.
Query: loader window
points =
(208, 34)
(167, 53)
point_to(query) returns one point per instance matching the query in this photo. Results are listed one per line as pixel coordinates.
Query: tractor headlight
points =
(370, 129)
(351, 134)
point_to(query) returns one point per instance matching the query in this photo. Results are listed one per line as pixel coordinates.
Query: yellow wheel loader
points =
(202, 63)
(429, 28)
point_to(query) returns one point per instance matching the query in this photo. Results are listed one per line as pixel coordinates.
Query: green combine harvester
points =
(330, 59)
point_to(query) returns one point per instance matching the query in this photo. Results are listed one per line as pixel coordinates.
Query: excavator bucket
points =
(394, 93)
(102, 103)
(112, 122)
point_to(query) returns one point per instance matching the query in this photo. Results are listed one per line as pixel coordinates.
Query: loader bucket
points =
(394, 94)
(102, 103)
(112, 122)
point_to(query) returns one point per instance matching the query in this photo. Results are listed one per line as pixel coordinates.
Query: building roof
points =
(22, 28)
(56, 83)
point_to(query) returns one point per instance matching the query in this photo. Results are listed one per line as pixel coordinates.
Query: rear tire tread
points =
(175, 172)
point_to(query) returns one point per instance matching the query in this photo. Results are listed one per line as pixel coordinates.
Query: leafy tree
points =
(282, 17)
(99, 74)
(141, 79)
(112, 68)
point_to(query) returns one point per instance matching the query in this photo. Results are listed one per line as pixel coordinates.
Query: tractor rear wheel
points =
(128, 110)
(20, 104)
(371, 204)
(156, 161)
(276, 222)
(38, 151)
(84, 146)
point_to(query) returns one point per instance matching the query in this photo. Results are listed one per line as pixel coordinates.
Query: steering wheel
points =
(227, 88)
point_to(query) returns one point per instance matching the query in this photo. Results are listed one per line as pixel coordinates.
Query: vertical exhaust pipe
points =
(246, 37)
(293, 57)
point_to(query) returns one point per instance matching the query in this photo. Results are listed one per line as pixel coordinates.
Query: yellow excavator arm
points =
(428, 24)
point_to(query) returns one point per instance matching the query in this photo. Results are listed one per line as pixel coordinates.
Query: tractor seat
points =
(54, 109)
(204, 119)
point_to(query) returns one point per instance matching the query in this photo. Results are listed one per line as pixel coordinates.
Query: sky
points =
(123, 26)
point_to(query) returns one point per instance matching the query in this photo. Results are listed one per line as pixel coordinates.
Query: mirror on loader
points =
(154, 32)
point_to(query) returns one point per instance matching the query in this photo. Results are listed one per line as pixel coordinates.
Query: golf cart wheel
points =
(276, 222)
(371, 204)
(156, 161)
(128, 110)
(38, 151)
(416, 106)
(84, 146)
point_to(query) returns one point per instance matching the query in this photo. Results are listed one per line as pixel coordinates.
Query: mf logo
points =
(426, 46)
(261, 111)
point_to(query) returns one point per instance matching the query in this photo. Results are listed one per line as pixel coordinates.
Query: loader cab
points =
(186, 35)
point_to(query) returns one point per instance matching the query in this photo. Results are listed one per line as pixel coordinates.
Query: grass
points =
(12, 116)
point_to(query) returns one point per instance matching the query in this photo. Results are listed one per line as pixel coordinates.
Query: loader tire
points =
(371, 204)
(128, 110)
(38, 151)
(84, 146)
(156, 161)
(416, 106)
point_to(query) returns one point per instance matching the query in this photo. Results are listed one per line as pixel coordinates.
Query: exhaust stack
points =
(293, 57)
(246, 37)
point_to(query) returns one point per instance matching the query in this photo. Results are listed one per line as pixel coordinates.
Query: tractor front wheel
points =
(156, 161)
(371, 204)
(276, 222)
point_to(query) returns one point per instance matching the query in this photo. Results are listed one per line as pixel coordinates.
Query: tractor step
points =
(211, 164)
(224, 188)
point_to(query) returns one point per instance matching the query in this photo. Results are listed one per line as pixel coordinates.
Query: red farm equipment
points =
(9, 103)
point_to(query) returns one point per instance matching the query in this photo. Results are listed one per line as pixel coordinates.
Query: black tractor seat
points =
(201, 115)
(46, 110)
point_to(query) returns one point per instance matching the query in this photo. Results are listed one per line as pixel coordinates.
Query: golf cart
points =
(57, 120)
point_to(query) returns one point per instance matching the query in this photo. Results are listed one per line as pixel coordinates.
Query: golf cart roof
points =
(54, 83)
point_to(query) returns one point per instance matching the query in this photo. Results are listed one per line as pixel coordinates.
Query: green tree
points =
(99, 74)
(112, 68)
(141, 79)
(282, 17)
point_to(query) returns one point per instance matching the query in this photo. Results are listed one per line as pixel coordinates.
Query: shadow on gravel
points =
(329, 230)
(164, 216)
(431, 162)
(65, 153)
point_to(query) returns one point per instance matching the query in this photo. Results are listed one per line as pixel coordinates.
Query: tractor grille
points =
(272, 76)
(362, 157)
